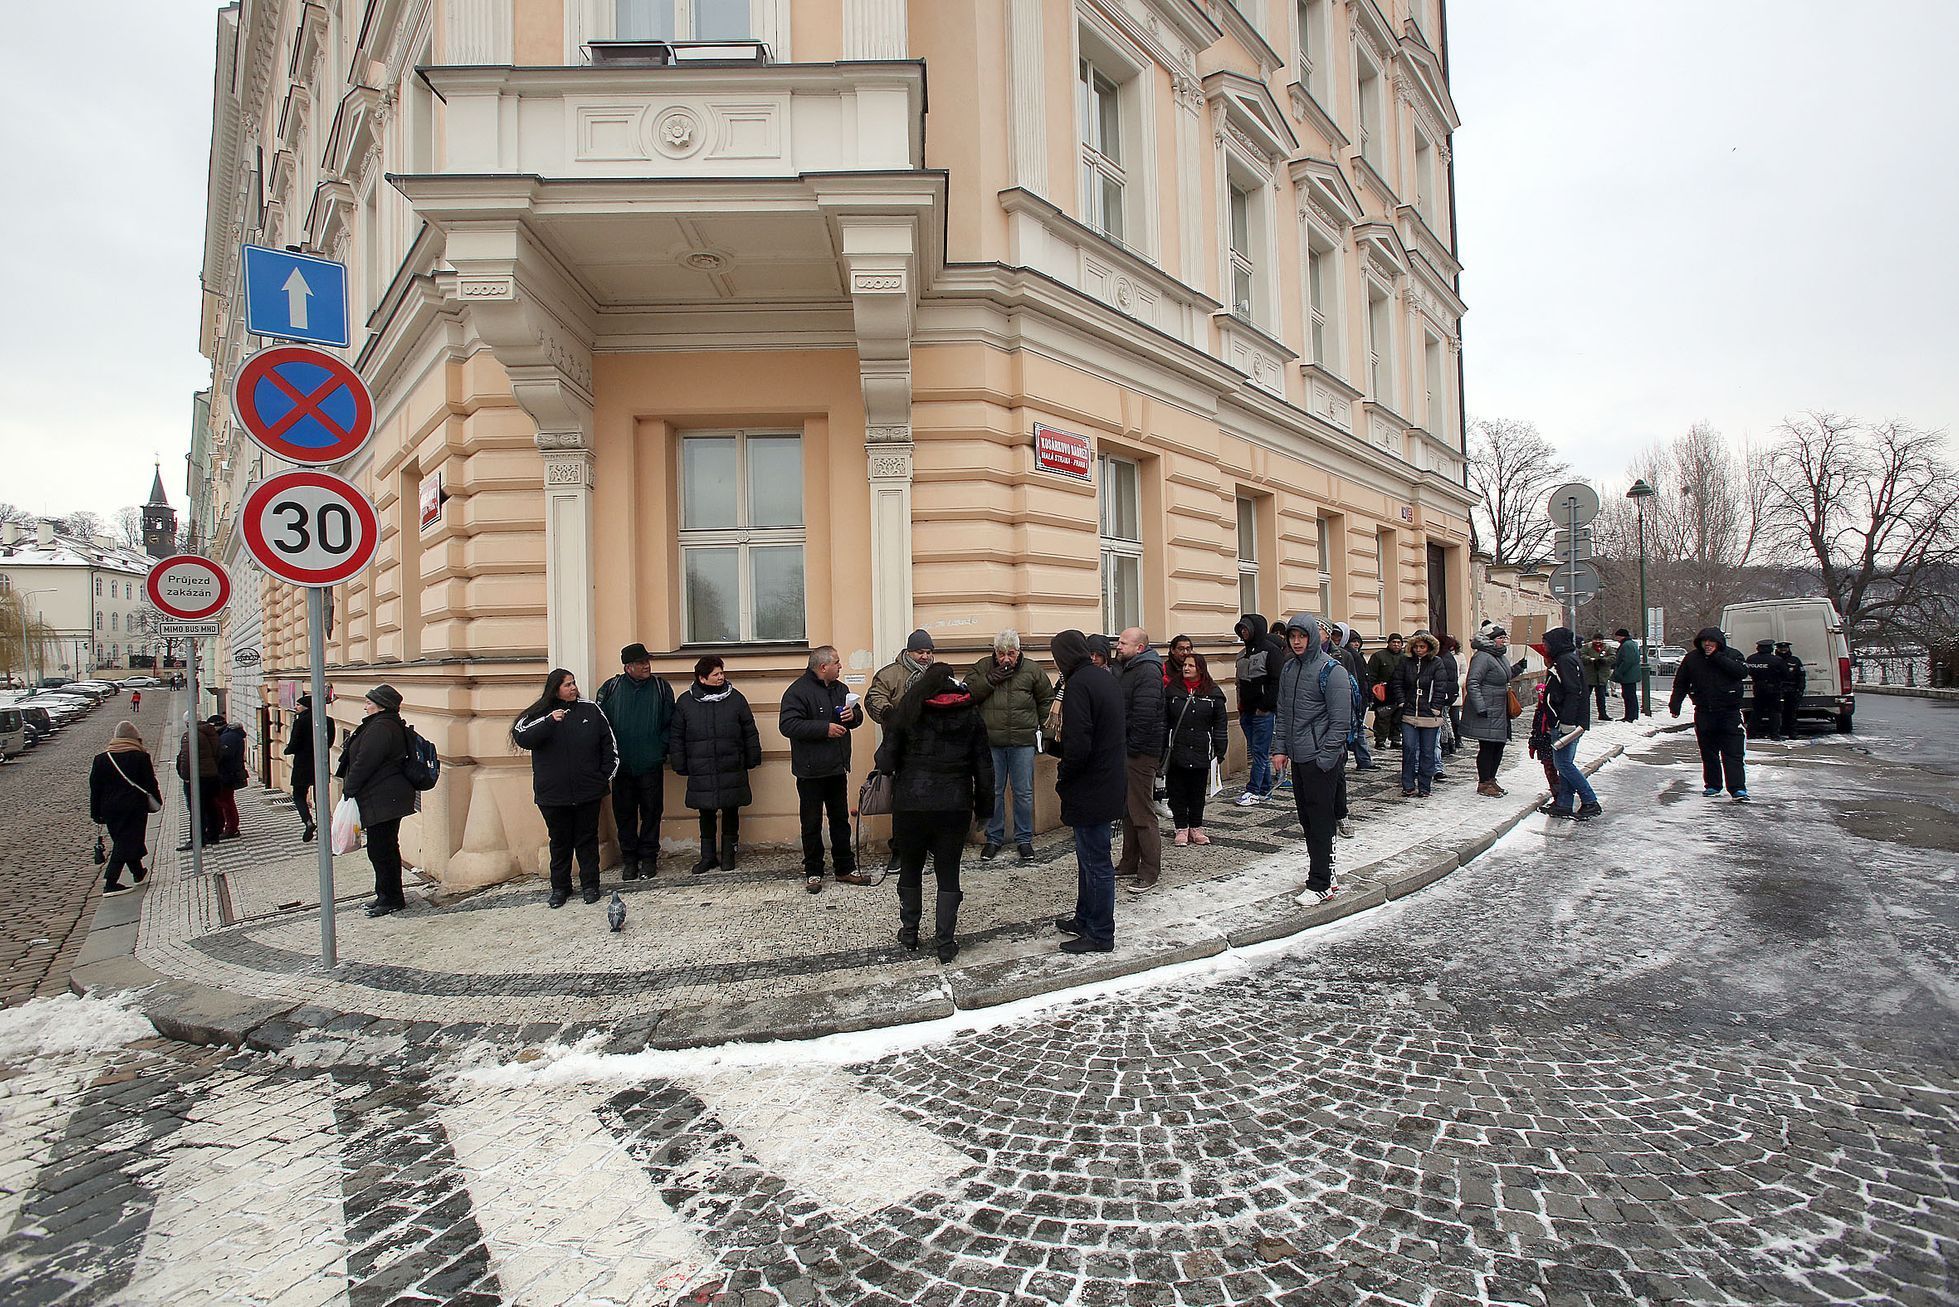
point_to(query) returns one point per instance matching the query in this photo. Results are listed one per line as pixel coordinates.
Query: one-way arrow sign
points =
(292, 296)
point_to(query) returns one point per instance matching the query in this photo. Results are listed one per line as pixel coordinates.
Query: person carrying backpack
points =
(373, 772)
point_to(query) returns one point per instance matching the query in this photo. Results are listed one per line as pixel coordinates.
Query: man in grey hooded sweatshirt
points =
(1311, 737)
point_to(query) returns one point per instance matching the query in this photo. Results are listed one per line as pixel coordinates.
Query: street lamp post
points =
(1639, 494)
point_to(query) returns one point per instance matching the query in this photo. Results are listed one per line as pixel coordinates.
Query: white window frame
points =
(1312, 46)
(1112, 546)
(1099, 98)
(742, 537)
(685, 14)
(1370, 110)
(1133, 74)
(1241, 174)
(598, 20)
(1324, 528)
(1435, 384)
(1384, 550)
(1380, 343)
(1424, 167)
(1324, 251)
(1246, 508)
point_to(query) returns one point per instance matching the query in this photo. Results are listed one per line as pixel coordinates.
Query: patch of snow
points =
(70, 1023)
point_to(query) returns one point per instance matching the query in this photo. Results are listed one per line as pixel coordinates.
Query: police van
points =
(1815, 635)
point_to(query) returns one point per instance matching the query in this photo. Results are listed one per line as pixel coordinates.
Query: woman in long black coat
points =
(372, 775)
(1194, 718)
(121, 786)
(941, 766)
(573, 758)
(714, 744)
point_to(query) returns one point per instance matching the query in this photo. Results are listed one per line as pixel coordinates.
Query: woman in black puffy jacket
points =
(714, 744)
(573, 756)
(936, 752)
(1195, 724)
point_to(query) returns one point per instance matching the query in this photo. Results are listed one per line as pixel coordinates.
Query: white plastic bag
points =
(1216, 785)
(346, 826)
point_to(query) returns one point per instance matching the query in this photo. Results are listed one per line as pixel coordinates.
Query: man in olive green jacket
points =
(1013, 696)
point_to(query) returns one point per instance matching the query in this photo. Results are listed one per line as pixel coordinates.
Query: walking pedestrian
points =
(1544, 732)
(941, 766)
(1380, 671)
(817, 716)
(1091, 783)
(1198, 734)
(1420, 693)
(573, 758)
(1258, 695)
(1141, 680)
(372, 774)
(299, 747)
(122, 793)
(136, 701)
(714, 744)
(639, 707)
(1629, 671)
(232, 776)
(209, 827)
(1568, 700)
(1766, 670)
(892, 680)
(1314, 718)
(1599, 659)
(1714, 675)
(1486, 705)
(1014, 697)
(1795, 682)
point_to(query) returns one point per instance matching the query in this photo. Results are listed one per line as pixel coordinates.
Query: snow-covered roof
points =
(69, 551)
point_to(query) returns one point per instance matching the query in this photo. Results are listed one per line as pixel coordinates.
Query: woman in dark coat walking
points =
(573, 758)
(714, 744)
(1196, 730)
(941, 766)
(372, 775)
(121, 789)
(299, 747)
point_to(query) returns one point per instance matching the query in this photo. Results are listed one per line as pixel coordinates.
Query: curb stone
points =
(203, 1014)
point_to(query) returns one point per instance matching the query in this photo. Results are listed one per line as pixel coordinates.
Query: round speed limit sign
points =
(309, 528)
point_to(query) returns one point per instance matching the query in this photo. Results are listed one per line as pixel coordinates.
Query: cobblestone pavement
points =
(48, 881)
(1693, 1052)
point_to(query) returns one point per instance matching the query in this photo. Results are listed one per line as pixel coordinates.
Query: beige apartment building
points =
(751, 325)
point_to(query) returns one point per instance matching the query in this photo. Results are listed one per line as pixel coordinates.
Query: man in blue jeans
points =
(1571, 701)
(1014, 696)
(1092, 782)
(1258, 669)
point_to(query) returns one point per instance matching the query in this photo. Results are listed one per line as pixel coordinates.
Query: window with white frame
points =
(1121, 530)
(1426, 179)
(1247, 555)
(684, 20)
(1380, 343)
(1370, 114)
(1435, 418)
(1325, 530)
(1315, 46)
(1323, 297)
(741, 537)
(1242, 266)
(1103, 177)
(98, 587)
(1384, 573)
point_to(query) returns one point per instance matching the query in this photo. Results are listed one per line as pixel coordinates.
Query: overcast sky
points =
(1669, 211)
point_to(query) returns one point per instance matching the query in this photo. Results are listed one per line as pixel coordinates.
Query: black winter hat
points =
(385, 697)
(634, 653)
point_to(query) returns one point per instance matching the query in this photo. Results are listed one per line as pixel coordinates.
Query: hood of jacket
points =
(1489, 646)
(1341, 634)
(1713, 633)
(1144, 659)
(1070, 651)
(1311, 626)
(1251, 628)
(1559, 641)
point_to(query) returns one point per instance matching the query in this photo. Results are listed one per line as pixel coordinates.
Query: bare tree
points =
(15, 513)
(79, 524)
(1874, 509)
(128, 529)
(1512, 469)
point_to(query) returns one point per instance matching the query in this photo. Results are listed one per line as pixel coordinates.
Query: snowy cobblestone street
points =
(1692, 1052)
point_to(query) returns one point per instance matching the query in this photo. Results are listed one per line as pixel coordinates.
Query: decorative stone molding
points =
(677, 133)
(874, 29)
(568, 468)
(887, 435)
(892, 464)
(1027, 95)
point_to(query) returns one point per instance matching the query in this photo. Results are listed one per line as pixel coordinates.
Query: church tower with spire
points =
(159, 521)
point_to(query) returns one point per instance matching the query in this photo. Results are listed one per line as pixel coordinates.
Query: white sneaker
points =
(1250, 800)
(1346, 829)
(1326, 894)
(1163, 811)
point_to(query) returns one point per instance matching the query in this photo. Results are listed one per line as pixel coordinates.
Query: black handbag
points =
(101, 851)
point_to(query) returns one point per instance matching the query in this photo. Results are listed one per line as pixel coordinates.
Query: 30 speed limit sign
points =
(309, 528)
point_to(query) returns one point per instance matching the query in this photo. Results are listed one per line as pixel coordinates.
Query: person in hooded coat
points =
(1351, 648)
(232, 773)
(714, 744)
(372, 774)
(1092, 784)
(121, 786)
(1380, 671)
(210, 827)
(1141, 679)
(1258, 695)
(1486, 705)
(1569, 698)
(573, 759)
(1311, 737)
(937, 753)
(1420, 692)
(1714, 676)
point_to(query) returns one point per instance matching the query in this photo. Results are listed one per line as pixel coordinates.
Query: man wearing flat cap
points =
(639, 705)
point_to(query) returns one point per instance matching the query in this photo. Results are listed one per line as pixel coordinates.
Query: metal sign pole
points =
(196, 785)
(1571, 548)
(322, 784)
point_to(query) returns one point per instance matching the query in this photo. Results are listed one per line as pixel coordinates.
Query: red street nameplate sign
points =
(1061, 451)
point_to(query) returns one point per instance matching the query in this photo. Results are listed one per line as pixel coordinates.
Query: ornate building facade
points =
(746, 326)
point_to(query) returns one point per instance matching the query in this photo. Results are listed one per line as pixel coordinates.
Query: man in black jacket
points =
(1795, 680)
(1090, 783)
(1142, 714)
(1766, 669)
(817, 718)
(1714, 676)
(1258, 669)
(639, 707)
(299, 747)
(1571, 701)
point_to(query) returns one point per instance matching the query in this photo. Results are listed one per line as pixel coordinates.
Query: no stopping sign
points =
(309, 528)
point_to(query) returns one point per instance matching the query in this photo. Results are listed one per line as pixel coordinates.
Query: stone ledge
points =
(1906, 691)
(1283, 915)
(992, 983)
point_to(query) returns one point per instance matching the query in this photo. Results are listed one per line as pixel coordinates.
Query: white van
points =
(13, 734)
(1815, 635)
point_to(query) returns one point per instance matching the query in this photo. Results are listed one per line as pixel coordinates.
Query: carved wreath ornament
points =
(677, 132)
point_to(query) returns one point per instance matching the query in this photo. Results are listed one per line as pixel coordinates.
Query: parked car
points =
(94, 694)
(1815, 632)
(50, 682)
(43, 719)
(35, 734)
(13, 734)
(141, 682)
(113, 687)
(1666, 659)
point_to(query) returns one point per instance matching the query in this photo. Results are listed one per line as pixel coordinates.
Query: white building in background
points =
(89, 593)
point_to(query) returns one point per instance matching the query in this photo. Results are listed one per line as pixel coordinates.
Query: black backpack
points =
(419, 762)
